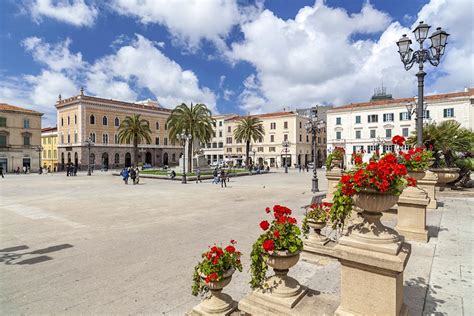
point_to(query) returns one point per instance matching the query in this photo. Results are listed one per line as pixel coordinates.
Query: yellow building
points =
(20, 137)
(49, 142)
(81, 118)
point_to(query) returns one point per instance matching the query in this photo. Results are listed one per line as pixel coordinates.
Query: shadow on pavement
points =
(418, 292)
(10, 255)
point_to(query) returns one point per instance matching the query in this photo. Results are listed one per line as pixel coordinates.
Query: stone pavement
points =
(95, 246)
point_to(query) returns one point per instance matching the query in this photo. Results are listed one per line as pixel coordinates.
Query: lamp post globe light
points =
(285, 145)
(39, 150)
(89, 143)
(184, 139)
(433, 55)
(313, 126)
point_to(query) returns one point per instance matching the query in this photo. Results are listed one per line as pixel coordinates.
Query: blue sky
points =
(235, 56)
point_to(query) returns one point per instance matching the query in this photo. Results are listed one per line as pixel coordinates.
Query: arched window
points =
(105, 138)
(117, 122)
(68, 138)
(62, 138)
(116, 139)
(157, 125)
(75, 137)
(104, 120)
(62, 121)
(75, 119)
(68, 120)
(117, 158)
(92, 119)
(92, 137)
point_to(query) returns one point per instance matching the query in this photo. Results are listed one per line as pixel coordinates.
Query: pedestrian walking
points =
(68, 170)
(24, 169)
(307, 168)
(133, 175)
(74, 170)
(216, 176)
(223, 179)
(125, 175)
(137, 177)
(1, 171)
(299, 167)
(198, 175)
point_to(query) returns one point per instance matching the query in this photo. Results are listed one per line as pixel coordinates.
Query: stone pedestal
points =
(280, 292)
(372, 282)
(217, 304)
(412, 214)
(373, 258)
(333, 176)
(428, 184)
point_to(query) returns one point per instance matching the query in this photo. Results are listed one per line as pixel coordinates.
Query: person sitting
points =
(172, 174)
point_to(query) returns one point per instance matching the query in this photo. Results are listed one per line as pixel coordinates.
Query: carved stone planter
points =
(280, 291)
(336, 164)
(371, 234)
(445, 175)
(315, 236)
(417, 175)
(217, 303)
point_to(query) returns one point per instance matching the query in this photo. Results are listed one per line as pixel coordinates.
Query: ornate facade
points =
(83, 117)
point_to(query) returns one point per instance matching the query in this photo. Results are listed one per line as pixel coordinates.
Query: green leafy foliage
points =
(317, 213)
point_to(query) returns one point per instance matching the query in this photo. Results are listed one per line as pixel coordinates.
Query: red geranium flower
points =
(264, 225)
(276, 234)
(411, 182)
(268, 245)
(398, 140)
(267, 210)
(230, 249)
(233, 242)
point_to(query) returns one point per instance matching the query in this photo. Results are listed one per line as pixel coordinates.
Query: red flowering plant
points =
(415, 159)
(386, 175)
(357, 157)
(215, 262)
(317, 213)
(282, 234)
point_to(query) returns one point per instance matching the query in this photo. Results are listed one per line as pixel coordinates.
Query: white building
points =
(370, 124)
(214, 150)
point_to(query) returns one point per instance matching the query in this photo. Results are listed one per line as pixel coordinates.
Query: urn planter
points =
(417, 175)
(371, 234)
(280, 284)
(445, 175)
(336, 163)
(315, 236)
(217, 303)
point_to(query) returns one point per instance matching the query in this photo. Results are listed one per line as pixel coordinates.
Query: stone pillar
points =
(333, 176)
(412, 214)
(428, 184)
(373, 258)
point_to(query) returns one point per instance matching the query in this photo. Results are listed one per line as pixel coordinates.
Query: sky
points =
(235, 56)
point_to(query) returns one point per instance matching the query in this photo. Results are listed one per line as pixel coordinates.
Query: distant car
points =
(310, 165)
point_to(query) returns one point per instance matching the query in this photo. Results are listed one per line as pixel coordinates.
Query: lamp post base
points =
(183, 180)
(315, 187)
(286, 169)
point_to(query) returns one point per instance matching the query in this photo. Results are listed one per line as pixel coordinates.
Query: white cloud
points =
(314, 57)
(75, 12)
(142, 65)
(57, 57)
(133, 68)
(189, 21)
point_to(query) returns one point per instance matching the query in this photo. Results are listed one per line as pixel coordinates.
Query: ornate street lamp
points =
(285, 145)
(39, 150)
(184, 139)
(420, 56)
(89, 143)
(313, 126)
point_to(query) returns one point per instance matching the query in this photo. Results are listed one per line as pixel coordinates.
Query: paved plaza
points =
(92, 245)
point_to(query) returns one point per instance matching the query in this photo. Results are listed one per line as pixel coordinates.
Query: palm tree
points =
(446, 139)
(134, 130)
(195, 121)
(248, 128)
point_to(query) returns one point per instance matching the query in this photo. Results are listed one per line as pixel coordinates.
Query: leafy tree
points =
(191, 120)
(248, 128)
(447, 140)
(135, 130)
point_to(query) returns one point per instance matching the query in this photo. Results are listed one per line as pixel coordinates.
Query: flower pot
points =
(371, 234)
(417, 175)
(315, 236)
(446, 175)
(336, 163)
(374, 201)
(280, 284)
(218, 302)
(283, 260)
